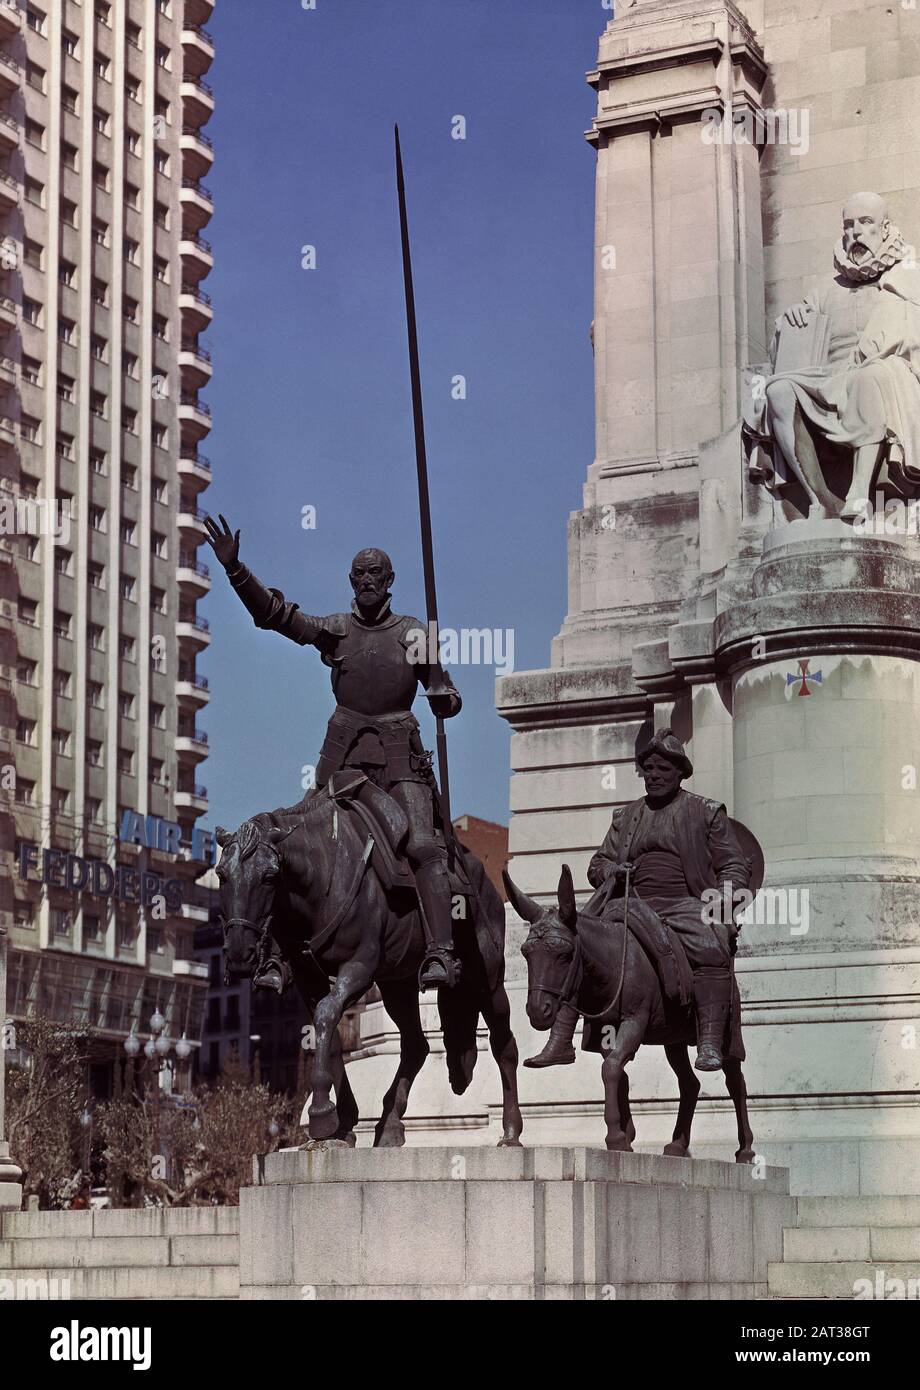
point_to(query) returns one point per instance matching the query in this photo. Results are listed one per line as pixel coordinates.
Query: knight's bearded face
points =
(864, 231)
(371, 576)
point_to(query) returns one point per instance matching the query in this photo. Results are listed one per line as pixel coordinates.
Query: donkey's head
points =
(249, 872)
(550, 949)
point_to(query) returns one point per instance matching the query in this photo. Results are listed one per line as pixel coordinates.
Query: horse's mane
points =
(250, 834)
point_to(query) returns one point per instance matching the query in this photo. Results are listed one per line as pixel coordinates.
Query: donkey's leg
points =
(629, 1035)
(735, 1084)
(352, 980)
(689, 1085)
(400, 999)
(626, 1119)
(496, 1011)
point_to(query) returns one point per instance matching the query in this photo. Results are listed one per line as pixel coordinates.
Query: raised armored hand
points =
(224, 543)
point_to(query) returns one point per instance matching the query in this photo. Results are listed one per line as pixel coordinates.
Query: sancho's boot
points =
(440, 968)
(275, 974)
(558, 1051)
(712, 992)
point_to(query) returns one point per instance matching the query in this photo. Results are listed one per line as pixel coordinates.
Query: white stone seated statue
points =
(836, 413)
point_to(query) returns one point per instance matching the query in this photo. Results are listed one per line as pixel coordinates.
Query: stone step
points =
(816, 1244)
(119, 1252)
(132, 1282)
(841, 1280)
(859, 1211)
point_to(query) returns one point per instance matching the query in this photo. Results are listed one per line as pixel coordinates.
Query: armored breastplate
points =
(371, 670)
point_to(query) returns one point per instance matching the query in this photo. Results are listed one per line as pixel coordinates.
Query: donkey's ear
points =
(222, 836)
(565, 893)
(524, 907)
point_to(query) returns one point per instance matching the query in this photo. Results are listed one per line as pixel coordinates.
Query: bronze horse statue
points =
(598, 965)
(305, 877)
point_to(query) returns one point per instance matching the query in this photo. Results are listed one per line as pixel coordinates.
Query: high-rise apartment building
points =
(103, 105)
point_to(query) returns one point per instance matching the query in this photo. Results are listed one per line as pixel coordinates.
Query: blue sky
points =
(311, 387)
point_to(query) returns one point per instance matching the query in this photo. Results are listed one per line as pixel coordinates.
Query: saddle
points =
(385, 822)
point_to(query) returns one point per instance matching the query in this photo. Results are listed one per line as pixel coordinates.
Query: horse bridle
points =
(575, 972)
(262, 932)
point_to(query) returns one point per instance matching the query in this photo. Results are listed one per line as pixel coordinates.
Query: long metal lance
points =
(424, 506)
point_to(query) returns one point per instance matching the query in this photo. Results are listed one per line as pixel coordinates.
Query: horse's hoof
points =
(393, 1137)
(506, 1142)
(676, 1151)
(350, 1139)
(745, 1156)
(323, 1124)
(619, 1146)
(320, 1145)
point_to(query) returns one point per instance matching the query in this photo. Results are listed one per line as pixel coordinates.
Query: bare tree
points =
(46, 1093)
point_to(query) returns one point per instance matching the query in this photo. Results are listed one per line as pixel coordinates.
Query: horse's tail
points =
(459, 1011)
(488, 912)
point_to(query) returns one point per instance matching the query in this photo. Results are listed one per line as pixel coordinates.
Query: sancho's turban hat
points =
(667, 745)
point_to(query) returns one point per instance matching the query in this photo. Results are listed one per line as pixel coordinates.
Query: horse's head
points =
(550, 949)
(249, 871)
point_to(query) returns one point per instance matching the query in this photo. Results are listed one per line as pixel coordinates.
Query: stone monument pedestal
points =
(481, 1223)
(10, 1179)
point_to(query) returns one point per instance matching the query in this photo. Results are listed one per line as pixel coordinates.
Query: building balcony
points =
(10, 192)
(194, 419)
(192, 748)
(192, 691)
(197, 49)
(195, 366)
(197, 204)
(191, 526)
(194, 912)
(195, 308)
(193, 578)
(197, 258)
(10, 74)
(10, 18)
(195, 632)
(8, 371)
(7, 433)
(198, 11)
(9, 130)
(197, 153)
(197, 101)
(194, 469)
(195, 800)
(8, 314)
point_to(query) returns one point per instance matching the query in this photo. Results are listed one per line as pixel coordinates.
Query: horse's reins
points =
(310, 947)
(616, 998)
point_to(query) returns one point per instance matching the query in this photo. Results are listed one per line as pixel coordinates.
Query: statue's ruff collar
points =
(892, 250)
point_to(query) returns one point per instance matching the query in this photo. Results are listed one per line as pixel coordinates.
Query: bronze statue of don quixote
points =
(364, 883)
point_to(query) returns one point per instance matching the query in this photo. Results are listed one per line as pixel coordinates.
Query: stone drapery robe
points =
(868, 389)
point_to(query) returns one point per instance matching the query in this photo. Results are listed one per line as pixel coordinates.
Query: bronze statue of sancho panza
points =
(682, 853)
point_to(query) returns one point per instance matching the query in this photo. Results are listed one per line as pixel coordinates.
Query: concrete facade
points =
(102, 109)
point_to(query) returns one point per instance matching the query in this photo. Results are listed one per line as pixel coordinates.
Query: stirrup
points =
(272, 977)
(445, 964)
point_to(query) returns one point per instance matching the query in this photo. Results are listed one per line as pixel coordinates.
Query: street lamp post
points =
(10, 1172)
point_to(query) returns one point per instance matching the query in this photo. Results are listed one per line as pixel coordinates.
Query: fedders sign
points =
(75, 874)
